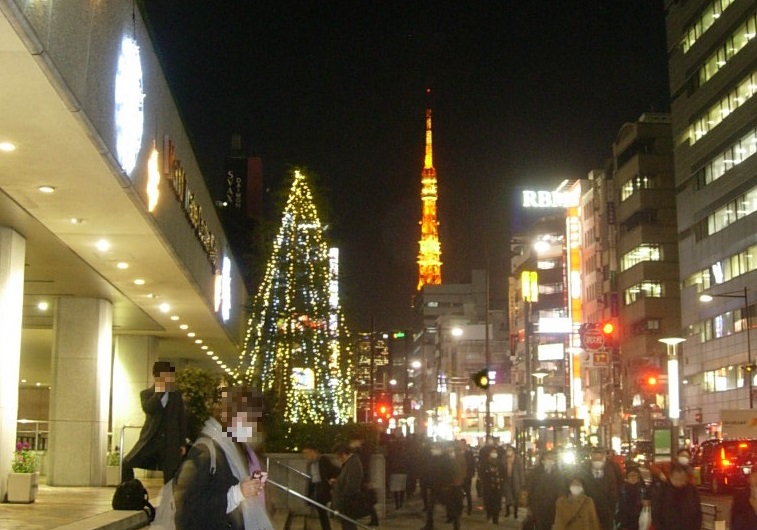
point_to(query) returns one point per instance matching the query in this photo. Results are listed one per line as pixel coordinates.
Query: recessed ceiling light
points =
(191, 334)
(76, 221)
(46, 189)
(165, 308)
(23, 380)
(122, 265)
(183, 326)
(37, 383)
(43, 306)
(139, 281)
(198, 341)
(210, 352)
(219, 361)
(7, 147)
(102, 245)
(174, 317)
(223, 366)
(215, 357)
(204, 347)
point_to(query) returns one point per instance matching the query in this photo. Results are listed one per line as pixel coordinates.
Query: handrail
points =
(317, 504)
(121, 448)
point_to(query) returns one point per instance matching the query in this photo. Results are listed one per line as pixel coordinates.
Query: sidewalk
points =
(85, 508)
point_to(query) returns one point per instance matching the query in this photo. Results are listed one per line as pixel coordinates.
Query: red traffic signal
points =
(608, 328)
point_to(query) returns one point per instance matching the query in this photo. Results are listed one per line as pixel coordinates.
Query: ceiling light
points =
(7, 147)
(122, 265)
(223, 366)
(76, 221)
(103, 245)
(37, 383)
(46, 189)
(174, 317)
(215, 357)
(165, 308)
(219, 361)
(198, 341)
(191, 334)
(204, 347)
(139, 281)
(23, 380)
(183, 326)
(210, 352)
(43, 306)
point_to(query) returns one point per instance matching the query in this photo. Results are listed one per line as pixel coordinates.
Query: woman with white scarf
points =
(231, 496)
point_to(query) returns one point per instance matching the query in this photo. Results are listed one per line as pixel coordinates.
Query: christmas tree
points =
(297, 346)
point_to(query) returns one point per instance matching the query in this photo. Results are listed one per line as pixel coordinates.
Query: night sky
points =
(524, 93)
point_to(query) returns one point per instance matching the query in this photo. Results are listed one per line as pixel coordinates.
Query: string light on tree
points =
(296, 345)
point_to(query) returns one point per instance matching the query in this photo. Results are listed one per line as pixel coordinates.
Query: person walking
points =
(576, 511)
(603, 480)
(491, 470)
(454, 495)
(163, 435)
(632, 498)
(545, 485)
(397, 465)
(744, 506)
(470, 471)
(513, 481)
(676, 504)
(321, 470)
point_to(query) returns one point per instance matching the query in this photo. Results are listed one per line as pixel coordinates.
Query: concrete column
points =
(132, 373)
(82, 354)
(12, 255)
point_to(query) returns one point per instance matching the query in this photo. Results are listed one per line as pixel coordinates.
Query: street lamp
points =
(674, 395)
(749, 368)
(540, 375)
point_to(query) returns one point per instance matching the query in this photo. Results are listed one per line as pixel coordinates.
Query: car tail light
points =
(725, 463)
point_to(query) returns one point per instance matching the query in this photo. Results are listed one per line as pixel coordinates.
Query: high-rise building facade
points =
(713, 81)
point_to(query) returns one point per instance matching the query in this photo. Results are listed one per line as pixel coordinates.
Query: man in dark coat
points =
(544, 486)
(321, 470)
(675, 503)
(602, 483)
(348, 485)
(161, 441)
(470, 471)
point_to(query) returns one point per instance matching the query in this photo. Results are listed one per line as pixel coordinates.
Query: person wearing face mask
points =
(576, 510)
(744, 507)
(513, 481)
(603, 481)
(676, 504)
(544, 486)
(232, 494)
(491, 470)
(661, 470)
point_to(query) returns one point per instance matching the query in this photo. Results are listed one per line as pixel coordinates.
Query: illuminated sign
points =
(226, 288)
(529, 284)
(153, 179)
(178, 180)
(555, 325)
(549, 199)
(551, 352)
(129, 107)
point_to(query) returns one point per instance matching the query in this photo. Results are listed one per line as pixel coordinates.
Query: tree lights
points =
(296, 346)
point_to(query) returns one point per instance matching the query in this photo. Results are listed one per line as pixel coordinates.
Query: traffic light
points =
(610, 332)
(650, 382)
(481, 379)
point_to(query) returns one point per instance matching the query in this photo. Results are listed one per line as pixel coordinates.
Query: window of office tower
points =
(704, 22)
(641, 253)
(646, 289)
(732, 45)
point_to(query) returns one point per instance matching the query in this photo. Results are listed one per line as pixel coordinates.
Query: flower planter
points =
(112, 476)
(22, 487)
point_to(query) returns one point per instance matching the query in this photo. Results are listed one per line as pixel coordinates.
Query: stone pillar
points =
(12, 255)
(81, 367)
(132, 373)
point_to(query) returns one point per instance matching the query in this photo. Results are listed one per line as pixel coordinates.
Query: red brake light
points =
(725, 463)
(743, 445)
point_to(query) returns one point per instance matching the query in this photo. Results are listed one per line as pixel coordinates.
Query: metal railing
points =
(121, 447)
(308, 499)
(37, 438)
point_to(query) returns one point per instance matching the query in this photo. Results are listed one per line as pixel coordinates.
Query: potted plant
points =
(113, 467)
(23, 482)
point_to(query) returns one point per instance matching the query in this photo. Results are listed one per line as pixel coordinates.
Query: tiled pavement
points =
(84, 508)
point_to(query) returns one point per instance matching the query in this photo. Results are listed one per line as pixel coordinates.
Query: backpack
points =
(132, 495)
(166, 515)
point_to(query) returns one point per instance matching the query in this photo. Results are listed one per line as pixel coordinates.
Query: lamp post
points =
(674, 395)
(539, 402)
(749, 368)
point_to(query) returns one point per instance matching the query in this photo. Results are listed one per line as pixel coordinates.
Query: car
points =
(724, 464)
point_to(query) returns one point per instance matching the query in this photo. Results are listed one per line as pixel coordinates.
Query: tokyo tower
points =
(429, 262)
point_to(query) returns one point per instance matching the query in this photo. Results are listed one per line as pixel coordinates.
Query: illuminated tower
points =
(429, 262)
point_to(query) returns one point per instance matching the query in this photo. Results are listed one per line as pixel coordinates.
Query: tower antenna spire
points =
(429, 257)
